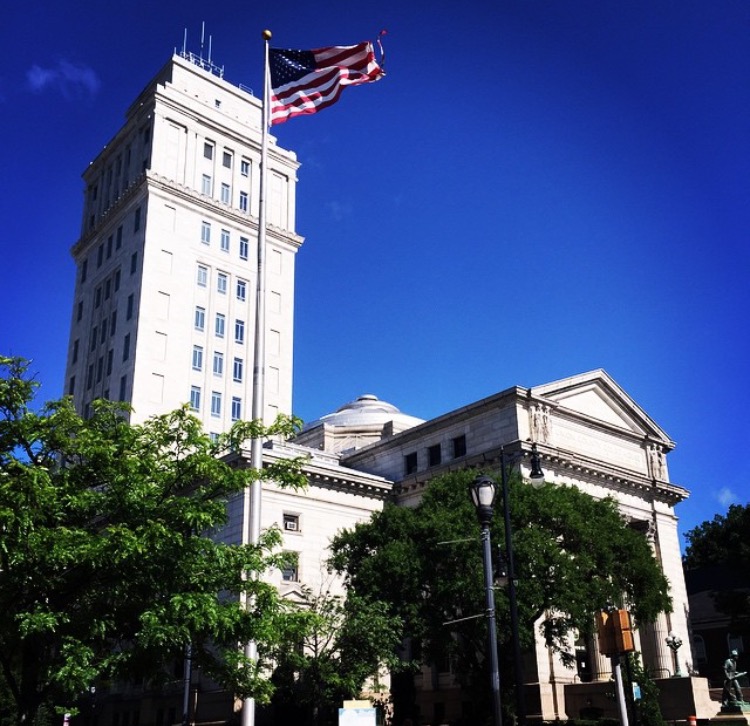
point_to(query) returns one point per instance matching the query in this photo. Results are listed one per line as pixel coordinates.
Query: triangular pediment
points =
(597, 397)
(294, 593)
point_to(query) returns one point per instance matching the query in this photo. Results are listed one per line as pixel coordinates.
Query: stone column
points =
(601, 665)
(656, 654)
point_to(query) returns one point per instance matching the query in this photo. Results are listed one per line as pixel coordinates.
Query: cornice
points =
(111, 212)
(597, 472)
(323, 474)
(153, 181)
(162, 183)
(561, 461)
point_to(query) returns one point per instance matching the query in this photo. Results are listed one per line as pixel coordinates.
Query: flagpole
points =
(252, 504)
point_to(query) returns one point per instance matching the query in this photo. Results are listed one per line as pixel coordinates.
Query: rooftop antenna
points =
(198, 60)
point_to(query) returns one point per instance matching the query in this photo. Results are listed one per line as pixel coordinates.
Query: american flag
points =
(304, 81)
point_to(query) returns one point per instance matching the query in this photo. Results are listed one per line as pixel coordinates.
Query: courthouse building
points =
(164, 313)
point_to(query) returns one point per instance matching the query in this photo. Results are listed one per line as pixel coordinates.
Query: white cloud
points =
(726, 496)
(339, 210)
(72, 81)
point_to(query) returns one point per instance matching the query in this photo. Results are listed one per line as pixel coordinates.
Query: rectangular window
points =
(107, 289)
(226, 194)
(113, 323)
(236, 408)
(218, 364)
(72, 386)
(75, 351)
(238, 369)
(459, 446)
(131, 303)
(290, 569)
(226, 160)
(239, 331)
(103, 332)
(195, 398)
(221, 283)
(241, 290)
(84, 270)
(410, 463)
(118, 238)
(243, 202)
(291, 522)
(215, 403)
(244, 247)
(197, 358)
(98, 296)
(110, 360)
(225, 240)
(90, 376)
(434, 455)
(79, 312)
(206, 185)
(99, 255)
(200, 318)
(110, 244)
(117, 280)
(245, 167)
(133, 263)
(99, 369)
(126, 347)
(208, 150)
(206, 233)
(202, 278)
(123, 387)
(219, 325)
(94, 335)
(137, 220)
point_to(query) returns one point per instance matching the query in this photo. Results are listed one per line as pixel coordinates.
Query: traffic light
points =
(615, 632)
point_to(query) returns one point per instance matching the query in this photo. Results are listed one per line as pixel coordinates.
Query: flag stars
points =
(305, 81)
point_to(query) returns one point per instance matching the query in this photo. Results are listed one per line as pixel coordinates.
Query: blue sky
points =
(538, 188)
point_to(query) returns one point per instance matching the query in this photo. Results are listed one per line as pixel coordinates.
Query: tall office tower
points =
(165, 297)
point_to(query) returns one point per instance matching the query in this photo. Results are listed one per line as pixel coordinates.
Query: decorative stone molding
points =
(539, 423)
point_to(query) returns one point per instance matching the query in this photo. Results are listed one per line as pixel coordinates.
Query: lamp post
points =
(537, 480)
(483, 491)
(674, 642)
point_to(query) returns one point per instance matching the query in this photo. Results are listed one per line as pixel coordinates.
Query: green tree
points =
(343, 643)
(573, 554)
(105, 571)
(647, 711)
(723, 545)
(721, 540)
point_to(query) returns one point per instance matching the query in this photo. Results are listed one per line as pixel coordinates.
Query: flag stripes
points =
(305, 81)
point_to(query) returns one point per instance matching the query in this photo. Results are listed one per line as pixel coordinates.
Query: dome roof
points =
(367, 410)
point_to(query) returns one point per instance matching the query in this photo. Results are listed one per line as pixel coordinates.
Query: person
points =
(732, 692)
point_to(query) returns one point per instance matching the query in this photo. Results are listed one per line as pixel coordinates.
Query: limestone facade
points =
(166, 281)
(163, 315)
(590, 434)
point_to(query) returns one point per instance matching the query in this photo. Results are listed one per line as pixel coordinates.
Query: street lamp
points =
(536, 477)
(674, 642)
(483, 492)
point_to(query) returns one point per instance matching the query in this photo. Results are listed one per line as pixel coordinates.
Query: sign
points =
(358, 717)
